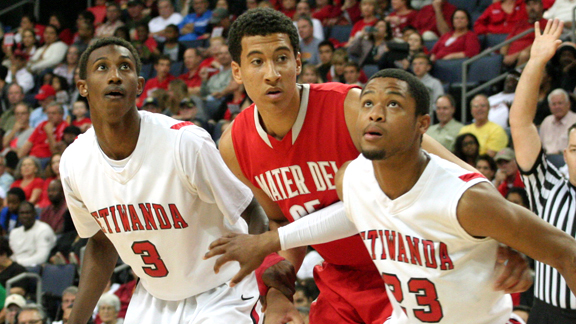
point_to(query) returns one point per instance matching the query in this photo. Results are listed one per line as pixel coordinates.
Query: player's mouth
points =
(273, 93)
(372, 133)
(114, 93)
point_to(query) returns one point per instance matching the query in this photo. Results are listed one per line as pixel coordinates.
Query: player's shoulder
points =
(450, 171)
(332, 87)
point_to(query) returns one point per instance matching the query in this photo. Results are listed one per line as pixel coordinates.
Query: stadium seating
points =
(341, 33)
(485, 69)
(370, 69)
(448, 70)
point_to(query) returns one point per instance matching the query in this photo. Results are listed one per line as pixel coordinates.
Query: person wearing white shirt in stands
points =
(167, 17)
(31, 242)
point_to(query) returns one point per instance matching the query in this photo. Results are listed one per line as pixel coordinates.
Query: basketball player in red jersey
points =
(287, 148)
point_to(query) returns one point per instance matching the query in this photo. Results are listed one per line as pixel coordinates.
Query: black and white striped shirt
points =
(553, 199)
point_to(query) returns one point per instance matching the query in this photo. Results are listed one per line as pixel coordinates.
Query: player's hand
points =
(280, 309)
(546, 43)
(515, 274)
(282, 277)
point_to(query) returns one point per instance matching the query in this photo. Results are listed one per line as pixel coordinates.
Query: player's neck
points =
(398, 174)
(118, 140)
(277, 120)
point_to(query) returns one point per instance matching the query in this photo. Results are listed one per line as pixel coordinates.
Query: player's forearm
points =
(256, 218)
(98, 265)
(294, 256)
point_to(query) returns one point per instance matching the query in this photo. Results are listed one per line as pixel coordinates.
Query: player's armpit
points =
(515, 273)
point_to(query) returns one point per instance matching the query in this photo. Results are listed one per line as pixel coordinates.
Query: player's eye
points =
(125, 66)
(282, 58)
(256, 61)
(101, 67)
(393, 104)
(367, 104)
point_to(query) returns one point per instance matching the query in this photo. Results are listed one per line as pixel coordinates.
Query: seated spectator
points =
(80, 113)
(49, 55)
(53, 215)
(12, 306)
(309, 74)
(434, 20)
(518, 52)
(370, 47)
(123, 32)
(302, 301)
(402, 16)
(508, 175)
(491, 136)
(336, 73)
(43, 141)
(177, 91)
(192, 60)
(458, 43)
(466, 148)
(564, 67)
(562, 10)
(187, 111)
(65, 34)
(501, 17)
(172, 47)
(99, 12)
(28, 45)
(51, 172)
(70, 134)
(46, 96)
(303, 9)
(6, 179)
(86, 33)
(352, 74)
(145, 45)
(28, 21)
(486, 165)
(9, 214)
(368, 9)
(447, 129)
(15, 96)
(113, 21)
(28, 178)
(308, 44)
(554, 128)
(325, 52)
(151, 105)
(195, 25)
(214, 89)
(9, 268)
(351, 12)
(18, 72)
(326, 12)
(220, 23)
(66, 69)
(108, 308)
(500, 103)
(68, 298)
(421, 65)
(31, 242)
(21, 131)
(65, 316)
(162, 79)
(135, 9)
(68, 245)
(60, 85)
(518, 196)
(288, 8)
(167, 17)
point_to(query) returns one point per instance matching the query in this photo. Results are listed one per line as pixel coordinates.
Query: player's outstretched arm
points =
(527, 142)
(97, 267)
(483, 212)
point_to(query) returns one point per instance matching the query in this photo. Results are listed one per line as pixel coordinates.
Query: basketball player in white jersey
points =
(154, 191)
(430, 226)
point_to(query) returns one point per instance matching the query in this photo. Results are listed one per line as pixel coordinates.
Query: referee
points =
(552, 197)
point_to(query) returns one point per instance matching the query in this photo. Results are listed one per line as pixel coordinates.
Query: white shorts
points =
(222, 304)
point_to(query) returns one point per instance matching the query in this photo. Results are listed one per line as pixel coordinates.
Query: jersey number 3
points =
(426, 297)
(149, 254)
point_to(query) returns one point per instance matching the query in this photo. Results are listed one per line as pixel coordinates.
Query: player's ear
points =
(236, 73)
(140, 86)
(298, 63)
(82, 88)
(423, 123)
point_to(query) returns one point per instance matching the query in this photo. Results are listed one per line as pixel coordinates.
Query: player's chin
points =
(373, 154)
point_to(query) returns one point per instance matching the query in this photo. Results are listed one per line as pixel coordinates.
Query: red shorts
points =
(349, 296)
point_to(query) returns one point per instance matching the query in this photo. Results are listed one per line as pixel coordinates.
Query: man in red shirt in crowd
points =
(507, 169)
(161, 81)
(192, 60)
(518, 52)
(434, 20)
(501, 17)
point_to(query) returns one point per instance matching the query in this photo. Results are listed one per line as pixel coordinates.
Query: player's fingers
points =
(522, 285)
(221, 241)
(215, 251)
(220, 262)
(537, 30)
(239, 276)
(559, 27)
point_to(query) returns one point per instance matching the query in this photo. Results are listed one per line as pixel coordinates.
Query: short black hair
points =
(489, 160)
(88, 16)
(174, 27)
(416, 88)
(327, 43)
(74, 130)
(18, 192)
(105, 42)
(5, 247)
(29, 204)
(162, 57)
(260, 22)
(521, 192)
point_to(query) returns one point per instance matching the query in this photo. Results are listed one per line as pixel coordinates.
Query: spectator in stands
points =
(217, 87)
(308, 44)
(32, 314)
(65, 316)
(491, 136)
(80, 114)
(9, 268)
(74, 93)
(43, 141)
(60, 85)
(419, 4)
(162, 79)
(187, 110)
(12, 306)
(28, 178)
(9, 214)
(195, 25)
(108, 308)
(325, 52)
(251, 4)
(518, 196)
(113, 21)
(487, 166)
(28, 21)
(18, 72)
(31, 242)
(288, 7)
(27, 45)
(68, 298)
(21, 131)
(561, 9)
(70, 134)
(86, 33)
(402, 16)
(51, 172)
(220, 22)
(65, 34)
(447, 129)
(466, 148)
(136, 15)
(192, 60)
(421, 65)
(172, 47)
(327, 12)
(6, 179)
(336, 73)
(167, 17)
(310, 74)
(352, 74)
(53, 215)
(518, 52)
(368, 9)
(371, 47)
(564, 63)
(303, 9)
(434, 20)
(177, 91)
(501, 17)
(351, 12)
(554, 128)
(15, 96)
(500, 103)
(145, 44)
(99, 11)
(458, 43)
(507, 175)
(67, 68)
(49, 55)
(151, 105)
(87, 17)
(302, 301)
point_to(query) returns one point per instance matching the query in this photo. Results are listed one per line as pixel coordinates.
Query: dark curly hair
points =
(105, 42)
(260, 22)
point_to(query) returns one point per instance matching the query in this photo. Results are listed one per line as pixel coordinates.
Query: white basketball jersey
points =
(161, 210)
(434, 271)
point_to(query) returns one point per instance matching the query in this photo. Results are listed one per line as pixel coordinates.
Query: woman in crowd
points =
(402, 16)
(336, 73)
(309, 74)
(368, 9)
(486, 165)
(459, 43)
(327, 12)
(66, 69)
(27, 45)
(108, 308)
(370, 47)
(177, 91)
(51, 172)
(65, 34)
(49, 55)
(467, 148)
(28, 178)
(60, 85)
(416, 46)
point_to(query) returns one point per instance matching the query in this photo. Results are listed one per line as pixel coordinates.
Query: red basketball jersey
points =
(298, 171)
